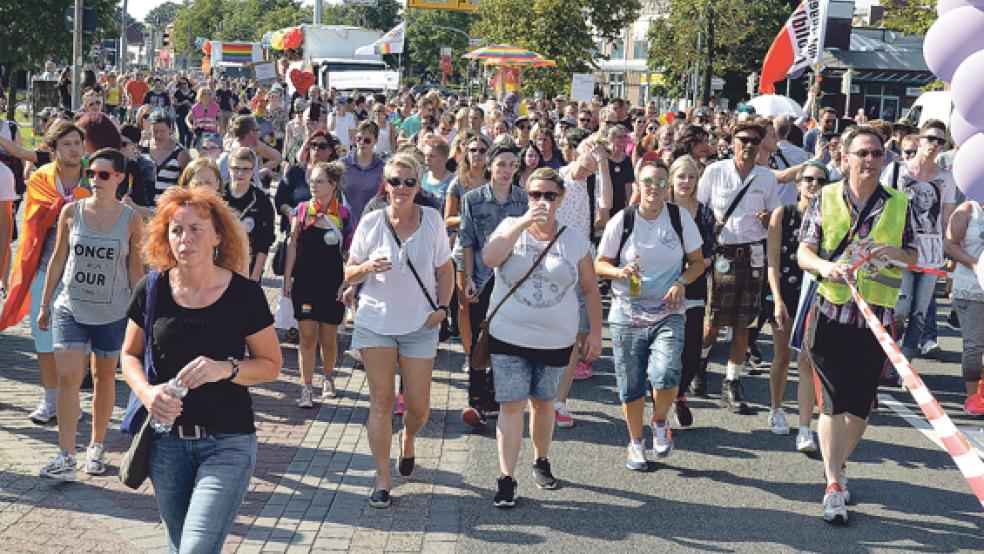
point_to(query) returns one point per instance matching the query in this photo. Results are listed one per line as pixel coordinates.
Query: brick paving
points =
(308, 491)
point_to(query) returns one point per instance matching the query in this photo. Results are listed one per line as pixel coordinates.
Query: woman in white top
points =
(533, 335)
(964, 243)
(386, 144)
(647, 315)
(399, 313)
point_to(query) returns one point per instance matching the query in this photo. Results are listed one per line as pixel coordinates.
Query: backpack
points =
(628, 223)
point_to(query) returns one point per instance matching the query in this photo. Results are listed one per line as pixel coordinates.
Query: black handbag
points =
(279, 263)
(135, 467)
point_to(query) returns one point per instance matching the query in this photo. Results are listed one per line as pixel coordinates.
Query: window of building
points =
(618, 50)
(616, 85)
(640, 49)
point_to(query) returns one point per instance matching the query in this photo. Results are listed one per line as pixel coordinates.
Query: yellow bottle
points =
(635, 282)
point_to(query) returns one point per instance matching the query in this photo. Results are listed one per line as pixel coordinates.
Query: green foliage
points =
(559, 30)
(425, 37)
(28, 40)
(738, 49)
(912, 18)
(162, 14)
(197, 19)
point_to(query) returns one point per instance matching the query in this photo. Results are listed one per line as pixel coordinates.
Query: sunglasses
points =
(875, 154)
(319, 145)
(910, 152)
(549, 195)
(650, 182)
(754, 141)
(396, 182)
(934, 139)
(363, 140)
(95, 103)
(523, 127)
(810, 179)
(478, 150)
(585, 120)
(101, 175)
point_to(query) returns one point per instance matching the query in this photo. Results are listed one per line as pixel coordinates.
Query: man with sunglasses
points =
(742, 195)
(932, 197)
(847, 356)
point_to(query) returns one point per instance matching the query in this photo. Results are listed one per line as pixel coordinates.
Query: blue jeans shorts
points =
(517, 378)
(104, 340)
(42, 339)
(651, 353)
(420, 344)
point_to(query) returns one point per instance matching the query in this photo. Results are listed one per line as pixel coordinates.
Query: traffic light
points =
(166, 39)
(89, 19)
(752, 84)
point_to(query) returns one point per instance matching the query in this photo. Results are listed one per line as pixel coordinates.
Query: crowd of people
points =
(508, 224)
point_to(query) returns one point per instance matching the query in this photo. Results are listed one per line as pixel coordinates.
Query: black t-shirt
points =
(225, 100)
(255, 211)
(623, 176)
(183, 102)
(140, 182)
(217, 331)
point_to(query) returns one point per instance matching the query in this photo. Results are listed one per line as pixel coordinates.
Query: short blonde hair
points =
(406, 161)
(197, 165)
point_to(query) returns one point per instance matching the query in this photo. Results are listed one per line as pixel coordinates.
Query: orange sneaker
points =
(974, 405)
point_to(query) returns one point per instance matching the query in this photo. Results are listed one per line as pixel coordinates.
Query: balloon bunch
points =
(954, 52)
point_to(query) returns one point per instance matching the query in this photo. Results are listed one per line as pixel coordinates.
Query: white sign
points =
(582, 86)
(265, 71)
(364, 80)
(717, 83)
(913, 91)
(475, 41)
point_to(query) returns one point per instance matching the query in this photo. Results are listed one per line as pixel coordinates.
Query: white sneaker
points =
(805, 442)
(662, 440)
(777, 422)
(834, 509)
(95, 463)
(930, 348)
(354, 354)
(635, 456)
(43, 413)
(60, 468)
(306, 401)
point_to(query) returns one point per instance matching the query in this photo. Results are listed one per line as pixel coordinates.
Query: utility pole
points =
(317, 12)
(151, 51)
(77, 55)
(121, 57)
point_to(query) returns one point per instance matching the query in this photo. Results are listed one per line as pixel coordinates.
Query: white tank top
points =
(965, 283)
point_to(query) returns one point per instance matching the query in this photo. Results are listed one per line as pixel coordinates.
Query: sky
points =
(138, 8)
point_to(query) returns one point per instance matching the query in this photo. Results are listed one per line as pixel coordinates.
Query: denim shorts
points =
(42, 339)
(517, 378)
(104, 340)
(651, 353)
(420, 344)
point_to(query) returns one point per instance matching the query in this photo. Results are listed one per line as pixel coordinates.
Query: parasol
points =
(771, 105)
(511, 56)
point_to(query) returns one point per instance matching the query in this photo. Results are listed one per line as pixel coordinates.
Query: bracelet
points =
(680, 281)
(235, 369)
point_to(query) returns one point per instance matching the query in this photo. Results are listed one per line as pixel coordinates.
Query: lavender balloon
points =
(952, 38)
(943, 6)
(968, 168)
(968, 88)
(960, 130)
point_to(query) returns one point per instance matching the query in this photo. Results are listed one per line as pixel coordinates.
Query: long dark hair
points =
(523, 168)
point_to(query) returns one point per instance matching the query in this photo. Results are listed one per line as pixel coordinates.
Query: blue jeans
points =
(200, 486)
(930, 332)
(913, 305)
(647, 353)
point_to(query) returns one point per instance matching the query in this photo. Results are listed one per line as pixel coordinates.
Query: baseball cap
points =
(511, 97)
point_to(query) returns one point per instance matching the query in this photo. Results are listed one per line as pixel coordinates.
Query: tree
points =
(162, 14)
(427, 32)
(560, 30)
(201, 18)
(912, 18)
(740, 33)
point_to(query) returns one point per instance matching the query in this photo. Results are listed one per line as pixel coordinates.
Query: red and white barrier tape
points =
(954, 442)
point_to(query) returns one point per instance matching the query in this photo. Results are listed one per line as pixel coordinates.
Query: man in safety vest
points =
(847, 357)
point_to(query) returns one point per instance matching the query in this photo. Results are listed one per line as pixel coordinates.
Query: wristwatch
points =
(445, 308)
(683, 283)
(235, 369)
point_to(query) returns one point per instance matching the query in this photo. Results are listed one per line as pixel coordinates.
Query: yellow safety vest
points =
(882, 288)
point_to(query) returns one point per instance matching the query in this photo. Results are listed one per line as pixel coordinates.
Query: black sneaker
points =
(754, 355)
(684, 417)
(698, 387)
(506, 497)
(953, 320)
(379, 499)
(731, 393)
(405, 467)
(541, 473)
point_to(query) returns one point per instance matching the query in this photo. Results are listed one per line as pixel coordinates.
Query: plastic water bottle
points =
(174, 389)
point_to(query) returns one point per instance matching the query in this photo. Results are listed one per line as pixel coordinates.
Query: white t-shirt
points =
(655, 246)
(926, 199)
(7, 192)
(343, 125)
(543, 313)
(391, 303)
(720, 184)
(574, 210)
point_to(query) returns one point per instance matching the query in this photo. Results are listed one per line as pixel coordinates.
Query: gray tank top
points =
(95, 284)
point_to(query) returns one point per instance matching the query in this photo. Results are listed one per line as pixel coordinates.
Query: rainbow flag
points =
(237, 52)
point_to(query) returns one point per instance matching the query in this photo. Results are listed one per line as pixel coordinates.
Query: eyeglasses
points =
(480, 151)
(811, 180)
(240, 169)
(747, 140)
(95, 103)
(549, 195)
(650, 182)
(363, 140)
(522, 126)
(874, 154)
(101, 175)
(934, 139)
(909, 152)
(585, 120)
(396, 182)
(319, 145)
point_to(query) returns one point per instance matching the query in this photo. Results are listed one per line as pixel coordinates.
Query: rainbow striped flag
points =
(237, 52)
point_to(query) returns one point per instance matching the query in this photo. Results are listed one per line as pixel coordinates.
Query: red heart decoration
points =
(302, 80)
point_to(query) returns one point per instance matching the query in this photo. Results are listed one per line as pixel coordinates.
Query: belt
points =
(736, 249)
(189, 432)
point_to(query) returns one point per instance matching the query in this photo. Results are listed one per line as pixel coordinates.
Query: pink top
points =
(205, 119)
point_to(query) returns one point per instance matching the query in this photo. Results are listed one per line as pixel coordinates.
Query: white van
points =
(931, 105)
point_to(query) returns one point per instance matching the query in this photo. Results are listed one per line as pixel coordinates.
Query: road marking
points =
(975, 435)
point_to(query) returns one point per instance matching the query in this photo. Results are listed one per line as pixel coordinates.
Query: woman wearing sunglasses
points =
(533, 334)
(97, 262)
(785, 282)
(647, 315)
(402, 257)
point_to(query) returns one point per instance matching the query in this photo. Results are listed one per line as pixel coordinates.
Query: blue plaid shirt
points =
(481, 213)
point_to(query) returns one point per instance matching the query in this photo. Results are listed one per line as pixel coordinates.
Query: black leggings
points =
(481, 393)
(693, 337)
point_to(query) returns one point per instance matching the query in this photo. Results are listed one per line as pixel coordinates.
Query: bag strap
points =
(152, 284)
(734, 206)
(525, 277)
(628, 223)
(855, 227)
(430, 299)
(674, 212)
(895, 175)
